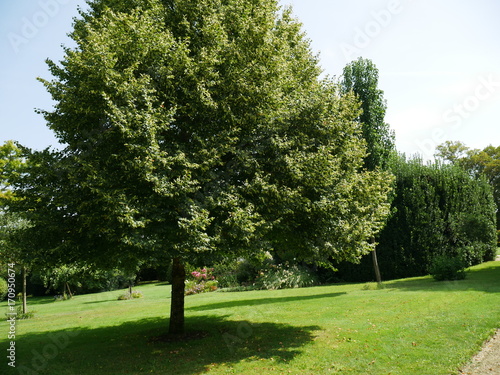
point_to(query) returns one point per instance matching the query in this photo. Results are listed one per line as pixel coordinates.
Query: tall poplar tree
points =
(195, 129)
(361, 78)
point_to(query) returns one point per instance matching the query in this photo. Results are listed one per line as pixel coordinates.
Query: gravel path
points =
(487, 361)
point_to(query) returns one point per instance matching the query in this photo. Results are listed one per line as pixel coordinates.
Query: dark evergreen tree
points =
(437, 210)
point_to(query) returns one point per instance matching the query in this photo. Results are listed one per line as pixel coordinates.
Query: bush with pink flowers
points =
(202, 281)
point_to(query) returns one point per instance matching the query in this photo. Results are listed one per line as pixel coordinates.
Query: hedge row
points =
(437, 210)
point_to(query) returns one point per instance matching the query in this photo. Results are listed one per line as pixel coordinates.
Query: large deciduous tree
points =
(194, 128)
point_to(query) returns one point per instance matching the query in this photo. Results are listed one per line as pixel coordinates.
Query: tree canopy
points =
(11, 165)
(361, 77)
(485, 162)
(195, 130)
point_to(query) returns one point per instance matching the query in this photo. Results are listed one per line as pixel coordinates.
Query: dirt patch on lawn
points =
(487, 361)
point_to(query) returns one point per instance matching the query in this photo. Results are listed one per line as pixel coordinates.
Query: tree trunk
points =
(177, 301)
(25, 305)
(375, 264)
(69, 290)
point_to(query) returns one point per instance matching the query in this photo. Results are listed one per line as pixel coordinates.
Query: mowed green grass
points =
(412, 326)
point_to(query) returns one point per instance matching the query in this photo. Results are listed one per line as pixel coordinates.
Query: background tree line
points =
(476, 162)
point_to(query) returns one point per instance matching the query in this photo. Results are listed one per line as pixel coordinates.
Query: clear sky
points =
(439, 63)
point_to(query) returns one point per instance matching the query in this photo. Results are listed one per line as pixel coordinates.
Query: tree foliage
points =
(361, 78)
(452, 152)
(10, 163)
(195, 130)
(476, 162)
(11, 166)
(83, 279)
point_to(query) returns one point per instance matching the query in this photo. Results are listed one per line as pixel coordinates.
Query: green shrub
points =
(3, 289)
(20, 315)
(28, 315)
(134, 294)
(241, 273)
(226, 274)
(228, 280)
(447, 268)
(211, 285)
(477, 253)
(284, 276)
(247, 271)
(83, 279)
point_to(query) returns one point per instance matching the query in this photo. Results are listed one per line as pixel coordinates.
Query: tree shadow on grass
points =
(162, 283)
(261, 301)
(38, 301)
(484, 278)
(133, 348)
(92, 302)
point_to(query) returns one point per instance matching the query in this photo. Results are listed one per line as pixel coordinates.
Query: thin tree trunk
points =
(375, 264)
(25, 304)
(177, 301)
(69, 290)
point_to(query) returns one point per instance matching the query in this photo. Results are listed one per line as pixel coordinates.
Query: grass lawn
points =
(413, 326)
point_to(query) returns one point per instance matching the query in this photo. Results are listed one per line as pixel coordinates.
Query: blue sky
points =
(439, 63)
